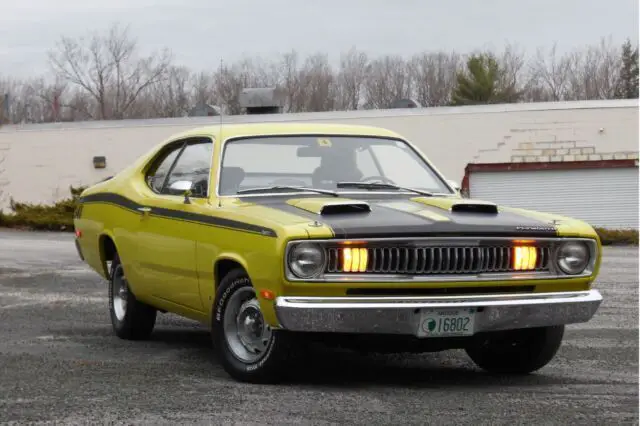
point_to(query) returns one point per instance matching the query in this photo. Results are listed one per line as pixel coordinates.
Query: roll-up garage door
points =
(603, 197)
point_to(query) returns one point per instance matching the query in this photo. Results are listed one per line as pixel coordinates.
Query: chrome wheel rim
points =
(245, 330)
(120, 292)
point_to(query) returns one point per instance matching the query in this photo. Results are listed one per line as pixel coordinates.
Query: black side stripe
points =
(126, 203)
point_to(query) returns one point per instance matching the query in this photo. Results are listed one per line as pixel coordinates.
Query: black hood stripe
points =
(130, 205)
(384, 221)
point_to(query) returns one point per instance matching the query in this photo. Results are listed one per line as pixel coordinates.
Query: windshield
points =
(322, 162)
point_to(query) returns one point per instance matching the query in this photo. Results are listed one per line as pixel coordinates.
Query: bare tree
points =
(8, 90)
(594, 72)
(289, 80)
(512, 68)
(3, 182)
(226, 89)
(350, 79)
(78, 105)
(202, 88)
(108, 69)
(170, 97)
(14, 96)
(316, 82)
(387, 81)
(257, 72)
(434, 77)
(33, 100)
(550, 75)
(52, 96)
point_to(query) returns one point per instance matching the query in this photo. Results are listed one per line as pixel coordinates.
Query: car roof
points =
(256, 129)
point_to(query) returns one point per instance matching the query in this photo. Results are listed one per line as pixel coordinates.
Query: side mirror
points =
(182, 187)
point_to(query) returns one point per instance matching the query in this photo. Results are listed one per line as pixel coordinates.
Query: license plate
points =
(447, 322)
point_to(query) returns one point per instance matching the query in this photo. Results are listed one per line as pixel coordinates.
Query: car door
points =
(169, 228)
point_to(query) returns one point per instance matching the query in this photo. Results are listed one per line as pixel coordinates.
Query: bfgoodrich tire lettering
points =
(517, 351)
(234, 297)
(130, 318)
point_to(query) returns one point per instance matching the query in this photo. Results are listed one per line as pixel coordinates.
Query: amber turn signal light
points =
(267, 294)
(354, 259)
(524, 258)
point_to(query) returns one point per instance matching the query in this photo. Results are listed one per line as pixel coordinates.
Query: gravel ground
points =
(60, 363)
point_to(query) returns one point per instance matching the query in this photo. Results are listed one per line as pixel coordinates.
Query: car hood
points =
(399, 217)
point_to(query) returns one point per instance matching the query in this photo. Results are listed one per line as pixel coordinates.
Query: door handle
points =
(144, 209)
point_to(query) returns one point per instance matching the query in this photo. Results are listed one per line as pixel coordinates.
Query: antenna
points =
(220, 108)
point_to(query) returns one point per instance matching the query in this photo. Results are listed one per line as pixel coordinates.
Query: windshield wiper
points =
(380, 185)
(295, 188)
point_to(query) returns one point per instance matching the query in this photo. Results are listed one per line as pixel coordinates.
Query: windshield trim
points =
(223, 145)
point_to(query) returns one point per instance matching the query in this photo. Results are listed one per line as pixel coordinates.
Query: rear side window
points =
(158, 174)
(193, 165)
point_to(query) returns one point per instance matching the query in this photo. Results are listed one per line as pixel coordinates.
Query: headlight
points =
(573, 257)
(307, 260)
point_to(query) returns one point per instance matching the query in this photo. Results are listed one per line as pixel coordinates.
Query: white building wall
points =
(40, 162)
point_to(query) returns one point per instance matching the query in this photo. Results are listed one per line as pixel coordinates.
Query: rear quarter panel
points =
(102, 219)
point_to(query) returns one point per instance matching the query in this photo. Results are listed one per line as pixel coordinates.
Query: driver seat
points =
(230, 180)
(335, 169)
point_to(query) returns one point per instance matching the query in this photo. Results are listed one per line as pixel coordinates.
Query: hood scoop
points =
(341, 208)
(459, 205)
(486, 208)
(326, 207)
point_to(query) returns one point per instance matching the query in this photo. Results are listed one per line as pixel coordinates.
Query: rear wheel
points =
(130, 318)
(247, 347)
(517, 351)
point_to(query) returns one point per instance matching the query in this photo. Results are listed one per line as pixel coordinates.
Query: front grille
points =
(438, 260)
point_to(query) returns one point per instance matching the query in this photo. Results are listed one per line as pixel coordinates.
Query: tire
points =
(520, 351)
(132, 320)
(271, 353)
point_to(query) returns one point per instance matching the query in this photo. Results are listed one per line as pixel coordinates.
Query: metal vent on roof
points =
(268, 100)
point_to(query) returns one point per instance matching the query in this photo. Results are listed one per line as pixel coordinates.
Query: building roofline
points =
(323, 116)
(551, 165)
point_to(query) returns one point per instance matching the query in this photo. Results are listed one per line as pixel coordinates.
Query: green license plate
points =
(447, 322)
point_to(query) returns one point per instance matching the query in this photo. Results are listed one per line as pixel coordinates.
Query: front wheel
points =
(520, 351)
(247, 347)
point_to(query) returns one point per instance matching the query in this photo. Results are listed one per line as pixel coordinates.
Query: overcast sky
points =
(201, 32)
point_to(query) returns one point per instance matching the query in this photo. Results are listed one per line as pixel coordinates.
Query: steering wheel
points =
(380, 179)
(199, 188)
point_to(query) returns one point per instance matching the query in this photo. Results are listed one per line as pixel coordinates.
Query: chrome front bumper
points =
(402, 315)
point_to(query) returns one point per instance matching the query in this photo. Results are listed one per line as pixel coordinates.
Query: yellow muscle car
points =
(277, 235)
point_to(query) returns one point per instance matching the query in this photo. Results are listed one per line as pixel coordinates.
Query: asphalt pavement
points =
(60, 363)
